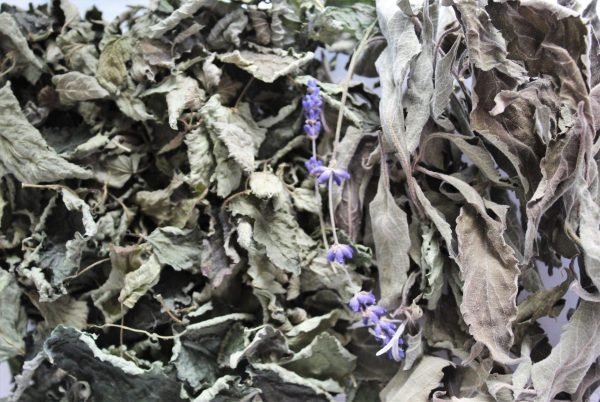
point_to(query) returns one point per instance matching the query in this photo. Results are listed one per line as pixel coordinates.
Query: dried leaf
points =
(570, 360)
(489, 269)
(415, 384)
(74, 87)
(392, 242)
(20, 141)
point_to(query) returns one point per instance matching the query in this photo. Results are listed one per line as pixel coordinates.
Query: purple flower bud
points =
(392, 340)
(339, 175)
(339, 252)
(374, 313)
(313, 130)
(312, 164)
(361, 300)
(385, 329)
(312, 103)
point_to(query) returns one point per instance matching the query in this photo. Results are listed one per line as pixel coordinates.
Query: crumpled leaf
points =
(133, 273)
(266, 345)
(279, 384)
(64, 310)
(75, 86)
(12, 330)
(227, 30)
(267, 66)
(20, 141)
(186, 95)
(432, 266)
(73, 202)
(324, 358)
(200, 158)
(112, 69)
(415, 384)
(486, 45)
(67, 347)
(14, 44)
(443, 84)
(489, 269)
(419, 90)
(164, 207)
(392, 242)
(570, 360)
(266, 185)
(193, 349)
(179, 248)
(236, 128)
(286, 245)
(341, 27)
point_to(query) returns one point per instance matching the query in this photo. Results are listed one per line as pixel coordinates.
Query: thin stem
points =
(139, 331)
(244, 90)
(168, 310)
(321, 218)
(345, 85)
(331, 211)
(318, 198)
(43, 186)
(93, 265)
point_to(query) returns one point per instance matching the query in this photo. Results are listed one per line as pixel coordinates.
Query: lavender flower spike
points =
(312, 103)
(339, 253)
(324, 173)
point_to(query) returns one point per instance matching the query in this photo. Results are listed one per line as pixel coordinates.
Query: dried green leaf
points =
(489, 269)
(226, 32)
(20, 141)
(236, 128)
(324, 358)
(179, 248)
(14, 320)
(112, 68)
(392, 242)
(570, 360)
(133, 273)
(111, 377)
(267, 66)
(419, 92)
(415, 384)
(200, 158)
(75, 87)
(14, 43)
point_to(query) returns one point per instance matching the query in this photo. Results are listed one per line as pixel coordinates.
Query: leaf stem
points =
(139, 331)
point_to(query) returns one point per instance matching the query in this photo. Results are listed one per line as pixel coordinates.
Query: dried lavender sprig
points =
(312, 104)
(384, 329)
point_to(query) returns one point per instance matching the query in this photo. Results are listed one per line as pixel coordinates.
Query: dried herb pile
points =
(192, 208)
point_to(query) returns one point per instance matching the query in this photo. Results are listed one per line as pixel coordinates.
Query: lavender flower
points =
(312, 164)
(324, 173)
(373, 314)
(384, 329)
(313, 129)
(361, 300)
(339, 252)
(391, 337)
(313, 105)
